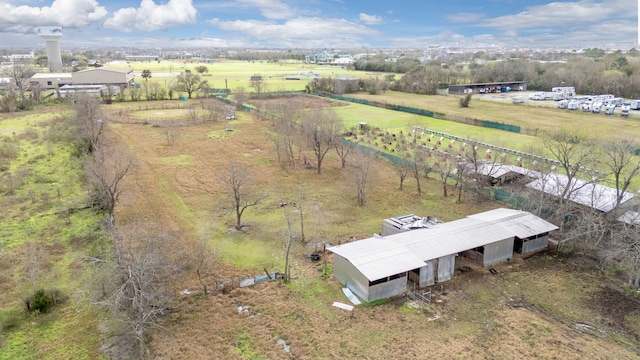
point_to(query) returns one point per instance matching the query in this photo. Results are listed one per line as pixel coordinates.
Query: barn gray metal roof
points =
(582, 192)
(378, 257)
(115, 69)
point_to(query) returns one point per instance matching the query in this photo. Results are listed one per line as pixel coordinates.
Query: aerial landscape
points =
(253, 179)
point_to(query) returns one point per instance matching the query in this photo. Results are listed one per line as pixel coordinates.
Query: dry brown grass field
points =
(549, 306)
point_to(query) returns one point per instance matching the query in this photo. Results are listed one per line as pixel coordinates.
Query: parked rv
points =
(537, 96)
(609, 109)
(635, 104)
(562, 104)
(586, 106)
(615, 101)
(624, 110)
(596, 107)
(573, 105)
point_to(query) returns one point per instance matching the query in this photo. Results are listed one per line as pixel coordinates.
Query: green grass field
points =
(233, 74)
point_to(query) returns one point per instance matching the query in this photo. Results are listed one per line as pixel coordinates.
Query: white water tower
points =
(51, 36)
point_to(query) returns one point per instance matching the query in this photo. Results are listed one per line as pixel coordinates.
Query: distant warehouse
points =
(485, 88)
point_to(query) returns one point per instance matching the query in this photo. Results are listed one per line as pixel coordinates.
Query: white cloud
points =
(562, 15)
(370, 19)
(271, 9)
(300, 32)
(65, 13)
(151, 16)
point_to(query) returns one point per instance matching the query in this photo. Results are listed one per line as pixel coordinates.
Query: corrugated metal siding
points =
(347, 274)
(100, 76)
(446, 267)
(535, 244)
(388, 289)
(426, 274)
(497, 252)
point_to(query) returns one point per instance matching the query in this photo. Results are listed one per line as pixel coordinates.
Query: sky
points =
(329, 24)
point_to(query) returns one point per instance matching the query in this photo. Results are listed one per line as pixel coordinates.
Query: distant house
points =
(382, 266)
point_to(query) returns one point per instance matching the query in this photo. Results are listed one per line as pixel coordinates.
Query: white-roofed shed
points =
(581, 192)
(379, 267)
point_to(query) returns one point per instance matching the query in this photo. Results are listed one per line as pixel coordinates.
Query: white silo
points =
(51, 36)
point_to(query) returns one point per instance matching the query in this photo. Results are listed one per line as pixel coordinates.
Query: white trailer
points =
(609, 109)
(615, 101)
(537, 96)
(562, 104)
(596, 107)
(586, 106)
(624, 110)
(573, 105)
(635, 104)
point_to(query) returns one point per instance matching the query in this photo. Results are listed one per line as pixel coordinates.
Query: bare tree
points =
(360, 174)
(445, 168)
(106, 170)
(241, 189)
(342, 150)
(621, 162)
(19, 73)
(573, 149)
(90, 122)
(257, 83)
(625, 247)
(139, 291)
(206, 257)
(287, 136)
(401, 168)
(290, 239)
(417, 165)
(240, 96)
(172, 136)
(322, 129)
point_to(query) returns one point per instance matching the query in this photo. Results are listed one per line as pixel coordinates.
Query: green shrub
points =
(42, 300)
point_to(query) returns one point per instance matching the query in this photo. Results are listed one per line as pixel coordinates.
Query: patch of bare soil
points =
(616, 307)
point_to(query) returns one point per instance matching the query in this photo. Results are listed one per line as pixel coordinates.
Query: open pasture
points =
(235, 73)
(175, 187)
(530, 116)
(474, 317)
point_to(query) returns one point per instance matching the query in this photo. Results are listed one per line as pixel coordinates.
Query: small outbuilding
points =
(382, 266)
(47, 81)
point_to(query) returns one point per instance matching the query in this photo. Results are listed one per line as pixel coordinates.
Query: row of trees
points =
(134, 277)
